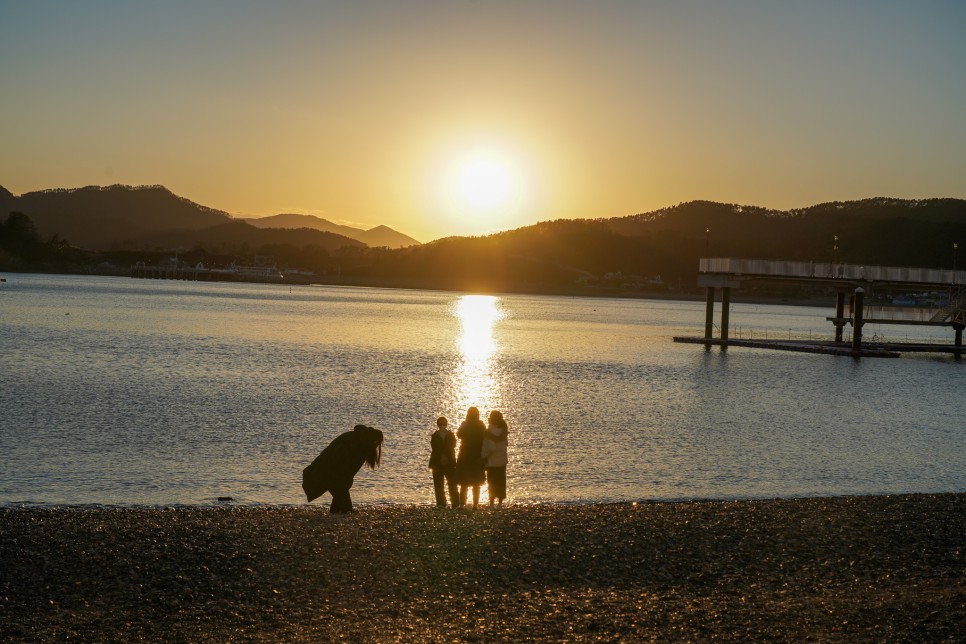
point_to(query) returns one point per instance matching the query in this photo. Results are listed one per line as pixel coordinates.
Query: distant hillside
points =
(233, 236)
(301, 221)
(378, 236)
(386, 236)
(101, 218)
(708, 213)
(594, 256)
(879, 231)
(97, 217)
(669, 242)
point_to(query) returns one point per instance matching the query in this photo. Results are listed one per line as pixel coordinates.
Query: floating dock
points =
(849, 280)
(826, 348)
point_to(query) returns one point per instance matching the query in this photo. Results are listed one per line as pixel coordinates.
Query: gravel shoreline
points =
(881, 568)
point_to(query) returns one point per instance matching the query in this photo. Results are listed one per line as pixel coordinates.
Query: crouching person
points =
(335, 468)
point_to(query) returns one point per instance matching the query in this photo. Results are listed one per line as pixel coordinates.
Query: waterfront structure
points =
(861, 283)
(174, 270)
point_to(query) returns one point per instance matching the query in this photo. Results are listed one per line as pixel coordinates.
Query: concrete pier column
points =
(839, 314)
(709, 314)
(857, 320)
(725, 305)
(958, 328)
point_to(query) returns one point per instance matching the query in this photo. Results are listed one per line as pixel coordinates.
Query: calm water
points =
(121, 391)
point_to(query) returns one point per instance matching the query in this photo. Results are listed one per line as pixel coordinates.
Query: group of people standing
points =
(482, 459)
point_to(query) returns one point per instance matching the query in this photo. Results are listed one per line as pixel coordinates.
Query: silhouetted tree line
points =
(23, 249)
(563, 254)
(669, 243)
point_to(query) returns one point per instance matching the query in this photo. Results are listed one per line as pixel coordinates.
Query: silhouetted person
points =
(469, 464)
(334, 469)
(442, 460)
(495, 456)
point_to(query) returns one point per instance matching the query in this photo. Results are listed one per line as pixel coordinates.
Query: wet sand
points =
(887, 568)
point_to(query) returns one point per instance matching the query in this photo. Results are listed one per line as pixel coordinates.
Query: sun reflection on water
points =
(474, 380)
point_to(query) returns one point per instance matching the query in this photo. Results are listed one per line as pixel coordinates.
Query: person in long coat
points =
(495, 456)
(442, 460)
(469, 463)
(335, 468)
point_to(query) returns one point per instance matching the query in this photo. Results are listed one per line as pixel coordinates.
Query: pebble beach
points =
(878, 568)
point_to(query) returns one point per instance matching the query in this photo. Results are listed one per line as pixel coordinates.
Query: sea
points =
(128, 392)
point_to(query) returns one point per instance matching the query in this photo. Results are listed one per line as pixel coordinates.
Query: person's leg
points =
(337, 501)
(438, 477)
(454, 491)
(341, 501)
(498, 483)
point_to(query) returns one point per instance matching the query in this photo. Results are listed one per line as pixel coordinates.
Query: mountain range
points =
(664, 246)
(378, 236)
(118, 217)
(658, 249)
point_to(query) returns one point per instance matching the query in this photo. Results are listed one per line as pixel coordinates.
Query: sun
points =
(484, 182)
(481, 188)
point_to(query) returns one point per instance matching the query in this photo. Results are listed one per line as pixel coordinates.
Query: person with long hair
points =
(469, 463)
(495, 456)
(335, 468)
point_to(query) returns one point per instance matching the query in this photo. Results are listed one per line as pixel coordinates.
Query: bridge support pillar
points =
(725, 306)
(959, 339)
(709, 314)
(839, 314)
(857, 320)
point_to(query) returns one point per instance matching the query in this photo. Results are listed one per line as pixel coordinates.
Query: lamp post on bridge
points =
(835, 256)
(840, 294)
(955, 248)
(958, 325)
(707, 240)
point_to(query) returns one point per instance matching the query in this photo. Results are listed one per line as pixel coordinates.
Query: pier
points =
(855, 288)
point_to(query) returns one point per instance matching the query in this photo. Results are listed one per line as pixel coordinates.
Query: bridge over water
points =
(857, 284)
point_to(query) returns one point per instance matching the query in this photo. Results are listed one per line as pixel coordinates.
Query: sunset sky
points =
(465, 117)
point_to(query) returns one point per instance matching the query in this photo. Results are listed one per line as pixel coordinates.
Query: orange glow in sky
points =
(443, 118)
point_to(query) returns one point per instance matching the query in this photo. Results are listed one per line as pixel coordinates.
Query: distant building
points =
(255, 271)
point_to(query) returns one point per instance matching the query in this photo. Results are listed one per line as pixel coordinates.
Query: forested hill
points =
(871, 231)
(378, 236)
(102, 218)
(97, 217)
(669, 242)
(621, 252)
